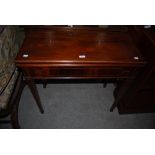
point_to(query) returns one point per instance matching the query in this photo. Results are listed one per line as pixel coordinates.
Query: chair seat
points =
(8, 76)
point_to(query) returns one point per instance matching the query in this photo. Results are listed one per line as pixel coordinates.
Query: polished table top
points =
(79, 53)
(78, 47)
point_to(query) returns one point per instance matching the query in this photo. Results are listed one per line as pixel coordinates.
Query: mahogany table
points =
(78, 52)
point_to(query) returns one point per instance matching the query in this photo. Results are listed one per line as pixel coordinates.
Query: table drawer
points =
(50, 72)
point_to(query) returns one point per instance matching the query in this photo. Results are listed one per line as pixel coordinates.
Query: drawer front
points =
(47, 72)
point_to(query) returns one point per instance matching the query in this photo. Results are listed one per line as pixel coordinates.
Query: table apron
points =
(78, 72)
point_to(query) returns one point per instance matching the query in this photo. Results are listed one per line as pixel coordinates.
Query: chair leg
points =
(16, 99)
(14, 119)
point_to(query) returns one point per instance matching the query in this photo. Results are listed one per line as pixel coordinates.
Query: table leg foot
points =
(114, 105)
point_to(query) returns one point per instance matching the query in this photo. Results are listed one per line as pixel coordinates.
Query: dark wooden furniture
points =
(140, 98)
(79, 52)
